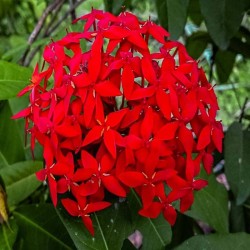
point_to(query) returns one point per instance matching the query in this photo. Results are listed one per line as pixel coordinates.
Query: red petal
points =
(109, 141)
(132, 178)
(97, 206)
(199, 184)
(163, 101)
(71, 206)
(208, 161)
(127, 81)
(113, 186)
(147, 124)
(88, 161)
(53, 189)
(167, 132)
(217, 136)
(88, 224)
(152, 211)
(147, 195)
(186, 202)
(114, 118)
(148, 70)
(94, 64)
(186, 138)
(41, 175)
(204, 137)
(170, 215)
(62, 186)
(89, 188)
(93, 135)
(107, 89)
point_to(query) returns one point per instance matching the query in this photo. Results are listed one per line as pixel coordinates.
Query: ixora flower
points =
(121, 115)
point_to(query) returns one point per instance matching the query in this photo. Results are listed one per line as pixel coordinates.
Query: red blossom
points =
(119, 116)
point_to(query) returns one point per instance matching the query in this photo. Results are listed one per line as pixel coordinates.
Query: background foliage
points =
(217, 33)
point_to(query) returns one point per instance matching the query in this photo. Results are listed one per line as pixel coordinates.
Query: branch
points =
(72, 8)
(41, 21)
(33, 36)
(243, 110)
(49, 30)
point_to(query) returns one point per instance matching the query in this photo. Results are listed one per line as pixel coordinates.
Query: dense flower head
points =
(121, 114)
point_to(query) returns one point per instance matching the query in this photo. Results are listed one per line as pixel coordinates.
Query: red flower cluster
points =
(121, 116)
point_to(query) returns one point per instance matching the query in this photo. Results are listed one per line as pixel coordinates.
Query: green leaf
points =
(224, 61)
(11, 145)
(172, 15)
(194, 12)
(197, 43)
(211, 206)
(13, 78)
(112, 226)
(237, 218)
(223, 19)
(20, 180)
(237, 161)
(8, 235)
(156, 232)
(40, 228)
(3, 161)
(239, 241)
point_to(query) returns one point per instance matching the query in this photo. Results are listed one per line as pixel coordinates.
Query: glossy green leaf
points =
(40, 228)
(172, 15)
(13, 78)
(8, 234)
(11, 144)
(224, 61)
(223, 19)
(237, 160)
(156, 232)
(239, 241)
(211, 206)
(194, 12)
(112, 226)
(197, 43)
(237, 218)
(20, 180)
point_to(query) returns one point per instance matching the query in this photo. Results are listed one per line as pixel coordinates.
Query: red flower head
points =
(120, 116)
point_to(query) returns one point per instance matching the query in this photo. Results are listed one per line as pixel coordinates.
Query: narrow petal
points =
(152, 211)
(93, 135)
(88, 161)
(88, 224)
(167, 132)
(71, 206)
(132, 178)
(113, 186)
(107, 88)
(109, 141)
(204, 137)
(127, 81)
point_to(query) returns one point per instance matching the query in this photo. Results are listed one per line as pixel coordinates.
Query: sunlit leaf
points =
(13, 78)
(20, 180)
